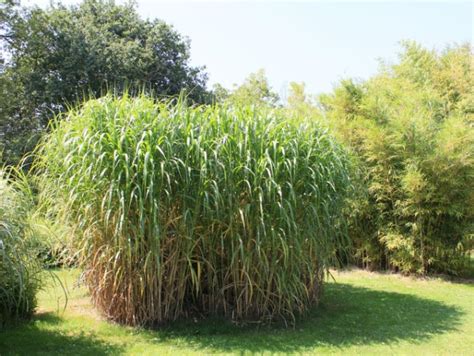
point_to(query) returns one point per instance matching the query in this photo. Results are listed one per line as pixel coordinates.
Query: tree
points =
(219, 93)
(300, 103)
(255, 90)
(297, 96)
(57, 57)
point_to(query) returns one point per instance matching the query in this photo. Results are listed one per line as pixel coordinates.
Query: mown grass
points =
(361, 313)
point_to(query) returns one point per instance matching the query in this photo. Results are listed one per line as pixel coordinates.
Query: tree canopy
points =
(55, 57)
(255, 90)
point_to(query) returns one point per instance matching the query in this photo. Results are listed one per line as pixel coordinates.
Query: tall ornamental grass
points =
(179, 210)
(20, 270)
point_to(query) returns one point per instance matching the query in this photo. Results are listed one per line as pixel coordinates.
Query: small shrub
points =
(230, 211)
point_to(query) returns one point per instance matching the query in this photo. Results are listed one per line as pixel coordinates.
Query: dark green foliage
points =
(56, 57)
(411, 128)
(232, 211)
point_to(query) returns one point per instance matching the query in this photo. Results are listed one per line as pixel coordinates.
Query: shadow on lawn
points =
(39, 337)
(347, 316)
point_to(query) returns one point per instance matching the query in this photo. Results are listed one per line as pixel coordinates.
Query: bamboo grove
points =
(411, 128)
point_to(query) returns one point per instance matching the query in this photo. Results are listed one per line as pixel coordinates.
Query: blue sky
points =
(315, 42)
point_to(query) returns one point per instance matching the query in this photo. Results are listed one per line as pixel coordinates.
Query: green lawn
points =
(361, 313)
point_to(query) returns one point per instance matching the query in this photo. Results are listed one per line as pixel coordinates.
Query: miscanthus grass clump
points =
(178, 210)
(20, 270)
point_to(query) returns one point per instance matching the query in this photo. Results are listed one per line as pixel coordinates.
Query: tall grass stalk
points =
(230, 211)
(20, 270)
